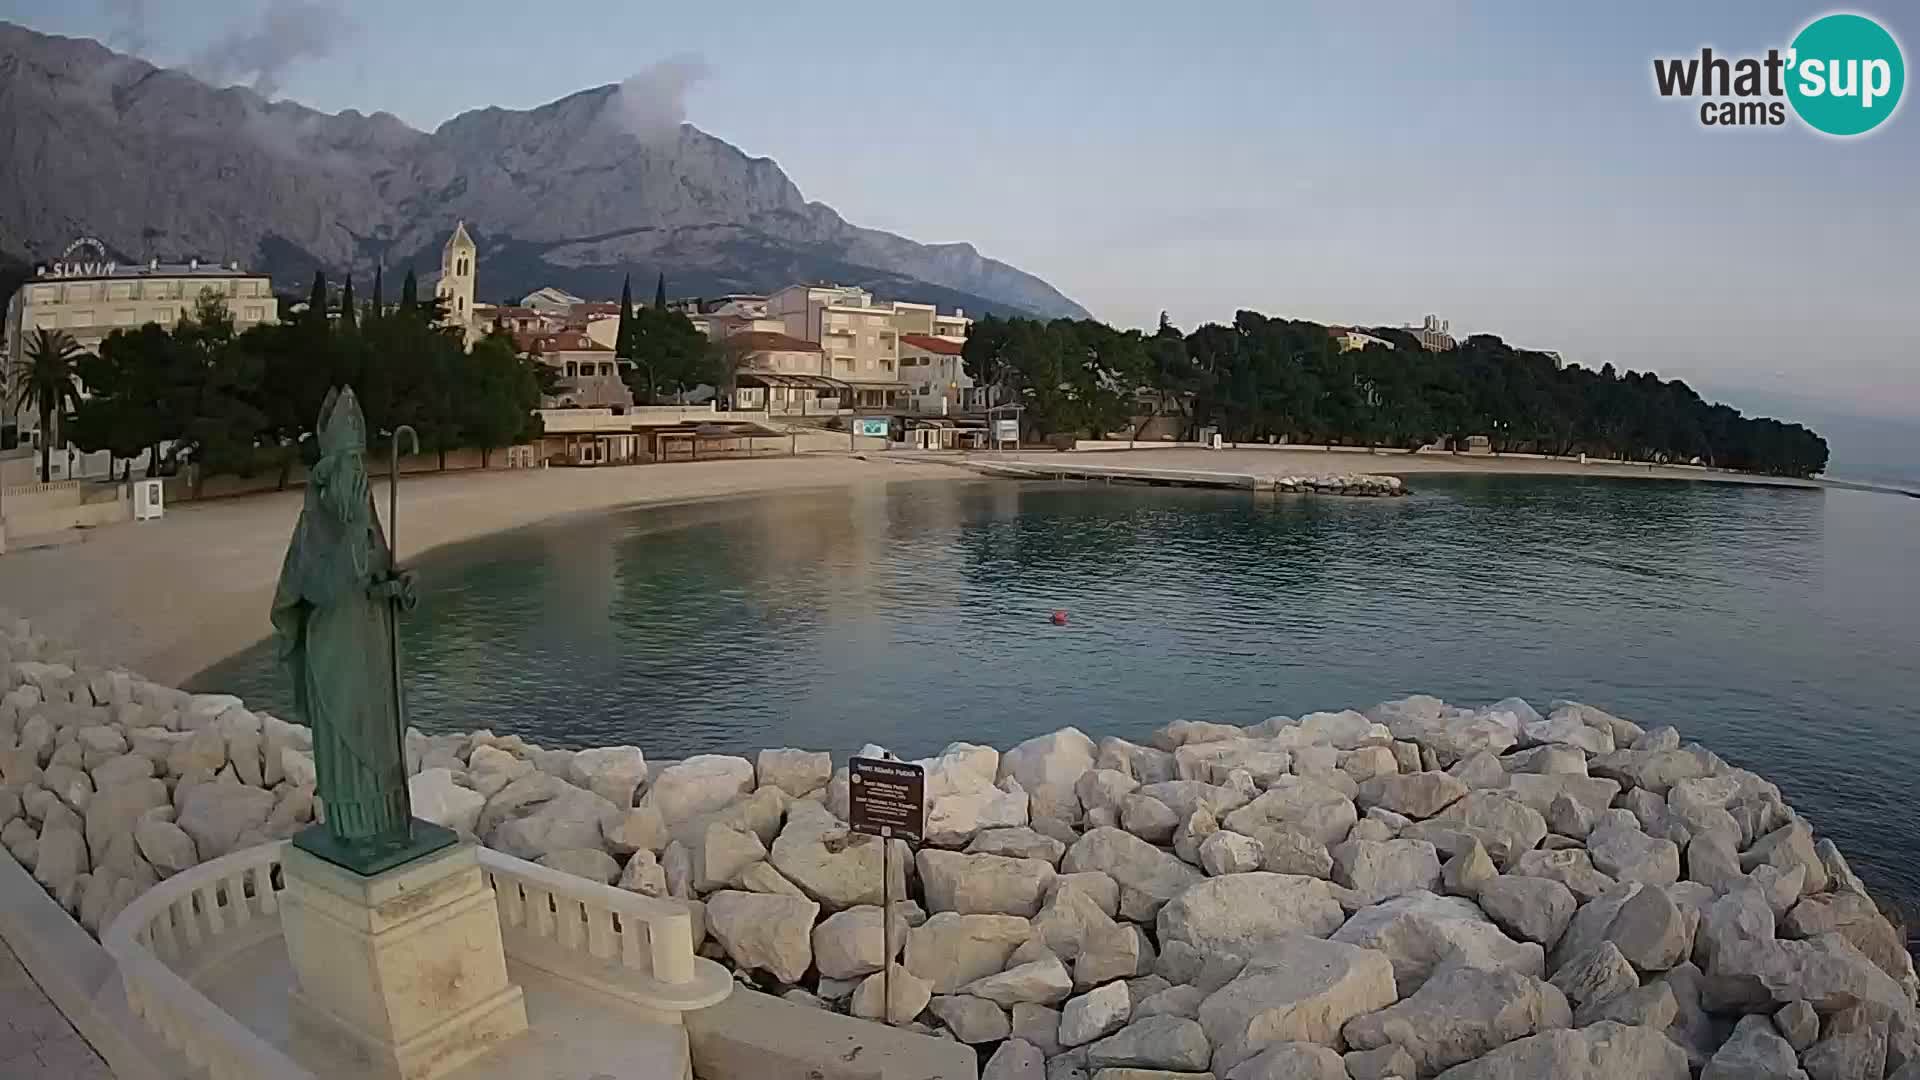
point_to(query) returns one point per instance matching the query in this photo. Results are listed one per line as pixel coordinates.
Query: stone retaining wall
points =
(1415, 890)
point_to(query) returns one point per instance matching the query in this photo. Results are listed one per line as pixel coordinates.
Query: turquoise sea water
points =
(1781, 627)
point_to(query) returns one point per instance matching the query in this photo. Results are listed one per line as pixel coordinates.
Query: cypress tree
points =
(379, 298)
(623, 337)
(409, 293)
(317, 298)
(349, 316)
(660, 292)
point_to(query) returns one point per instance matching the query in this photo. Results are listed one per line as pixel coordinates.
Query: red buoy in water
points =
(1060, 618)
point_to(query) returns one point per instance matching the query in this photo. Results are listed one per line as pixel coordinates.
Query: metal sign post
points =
(887, 799)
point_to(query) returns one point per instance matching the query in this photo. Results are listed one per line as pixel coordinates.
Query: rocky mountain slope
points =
(573, 193)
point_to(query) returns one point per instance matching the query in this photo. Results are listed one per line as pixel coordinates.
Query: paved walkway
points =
(36, 1042)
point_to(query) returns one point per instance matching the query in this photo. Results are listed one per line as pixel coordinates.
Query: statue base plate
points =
(379, 855)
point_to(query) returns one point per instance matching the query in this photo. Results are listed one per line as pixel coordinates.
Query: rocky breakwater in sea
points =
(1359, 484)
(1418, 890)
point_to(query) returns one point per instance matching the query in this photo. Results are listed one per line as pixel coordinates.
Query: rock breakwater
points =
(1415, 890)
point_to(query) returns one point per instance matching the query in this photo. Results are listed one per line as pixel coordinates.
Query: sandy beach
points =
(170, 597)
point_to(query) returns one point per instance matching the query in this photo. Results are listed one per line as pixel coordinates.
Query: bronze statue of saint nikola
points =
(336, 622)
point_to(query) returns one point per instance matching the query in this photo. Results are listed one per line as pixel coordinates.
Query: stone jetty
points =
(1416, 890)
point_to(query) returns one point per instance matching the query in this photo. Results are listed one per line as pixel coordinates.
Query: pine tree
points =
(349, 316)
(660, 293)
(623, 337)
(409, 292)
(379, 298)
(317, 297)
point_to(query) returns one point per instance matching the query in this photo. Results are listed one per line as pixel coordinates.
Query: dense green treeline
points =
(245, 403)
(1265, 378)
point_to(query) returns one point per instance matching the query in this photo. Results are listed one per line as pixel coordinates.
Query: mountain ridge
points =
(154, 162)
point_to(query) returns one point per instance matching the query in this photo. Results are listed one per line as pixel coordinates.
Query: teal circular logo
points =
(1845, 74)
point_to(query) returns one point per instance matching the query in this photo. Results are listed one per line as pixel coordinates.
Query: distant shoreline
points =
(1309, 461)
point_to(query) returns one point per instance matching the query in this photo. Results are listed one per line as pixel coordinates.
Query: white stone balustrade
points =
(611, 940)
(176, 929)
(607, 940)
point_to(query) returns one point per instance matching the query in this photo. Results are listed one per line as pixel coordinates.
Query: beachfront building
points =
(782, 374)
(858, 341)
(936, 378)
(458, 276)
(590, 376)
(88, 294)
(1349, 339)
(1435, 334)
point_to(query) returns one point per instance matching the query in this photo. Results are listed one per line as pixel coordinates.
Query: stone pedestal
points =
(404, 968)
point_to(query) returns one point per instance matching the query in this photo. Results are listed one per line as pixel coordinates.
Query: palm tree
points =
(47, 382)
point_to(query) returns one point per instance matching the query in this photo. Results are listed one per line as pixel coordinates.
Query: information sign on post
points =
(887, 798)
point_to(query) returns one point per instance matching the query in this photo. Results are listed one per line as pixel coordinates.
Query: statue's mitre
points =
(342, 427)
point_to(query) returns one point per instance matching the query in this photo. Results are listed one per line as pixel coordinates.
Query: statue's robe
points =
(336, 640)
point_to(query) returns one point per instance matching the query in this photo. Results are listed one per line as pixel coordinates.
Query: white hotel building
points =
(88, 295)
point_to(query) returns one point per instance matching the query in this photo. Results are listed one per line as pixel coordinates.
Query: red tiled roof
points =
(932, 344)
(770, 341)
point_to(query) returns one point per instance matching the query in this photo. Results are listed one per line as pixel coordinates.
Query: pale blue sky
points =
(1507, 166)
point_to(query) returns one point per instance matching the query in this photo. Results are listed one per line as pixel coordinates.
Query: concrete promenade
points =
(36, 1042)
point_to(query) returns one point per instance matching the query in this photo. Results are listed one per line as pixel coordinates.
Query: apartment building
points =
(859, 343)
(936, 377)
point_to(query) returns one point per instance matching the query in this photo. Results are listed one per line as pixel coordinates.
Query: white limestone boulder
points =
(1131, 862)
(1381, 869)
(951, 950)
(1246, 914)
(437, 798)
(1016, 1059)
(1039, 982)
(1301, 990)
(796, 772)
(1627, 854)
(222, 817)
(766, 932)
(909, 993)
(1419, 931)
(1048, 766)
(961, 767)
(1175, 1044)
(566, 817)
(1507, 827)
(1418, 795)
(832, 864)
(974, 1020)
(954, 818)
(1306, 805)
(1605, 1051)
(1094, 1015)
(1017, 842)
(983, 884)
(1529, 908)
(700, 785)
(1460, 1014)
(1230, 853)
(611, 772)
